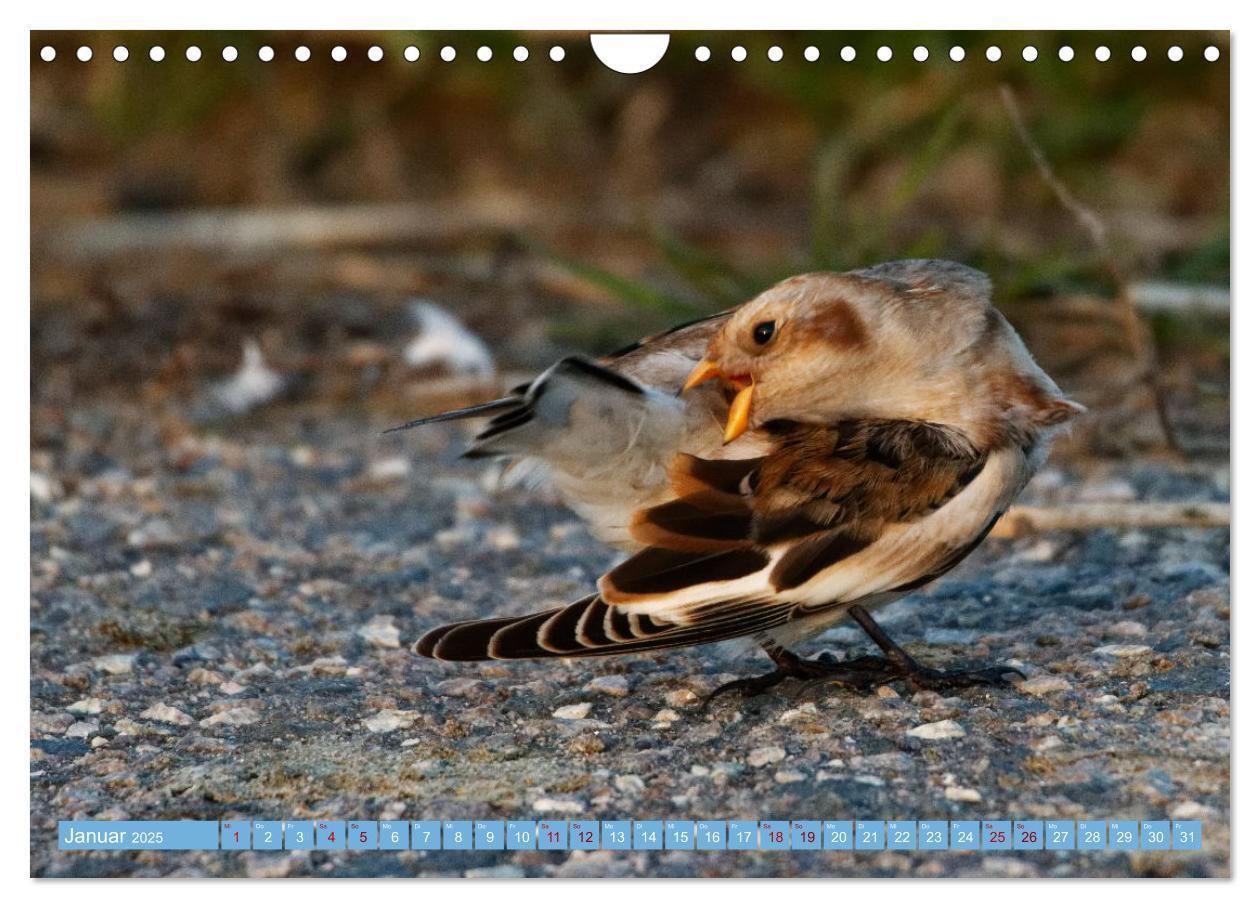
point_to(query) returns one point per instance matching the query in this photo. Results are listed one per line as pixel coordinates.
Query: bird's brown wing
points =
(822, 495)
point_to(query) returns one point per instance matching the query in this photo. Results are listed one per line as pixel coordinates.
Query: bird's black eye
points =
(763, 331)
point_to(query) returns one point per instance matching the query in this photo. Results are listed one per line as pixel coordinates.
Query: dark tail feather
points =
(474, 641)
(462, 413)
(592, 627)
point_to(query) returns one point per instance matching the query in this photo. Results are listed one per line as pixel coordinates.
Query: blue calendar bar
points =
(135, 835)
(632, 835)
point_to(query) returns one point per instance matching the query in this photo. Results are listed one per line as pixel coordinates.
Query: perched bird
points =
(818, 452)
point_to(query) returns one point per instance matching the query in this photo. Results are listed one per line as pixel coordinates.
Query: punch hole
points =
(411, 53)
(229, 53)
(1102, 54)
(921, 54)
(447, 53)
(556, 54)
(376, 54)
(121, 54)
(957, 54)
(484, 54)
(1030, 54)
(1138, 53)
(630, 54)
(1175, 53)
(993, 54)
(266, 53)
(192, 54)
(339, 54)
(738, 54)
(84, 53)
(302, 53)
(157, 53)
(812, 54)
(703, 54)
(775, 54)
(1066, 54)
(48, 53)
(884, 54)
(848, 54)
(1212, 53)
(520, 54)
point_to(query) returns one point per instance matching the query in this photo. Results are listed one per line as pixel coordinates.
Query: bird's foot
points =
(745, 687)
(920, 677)
(870, 671)
(863, 674)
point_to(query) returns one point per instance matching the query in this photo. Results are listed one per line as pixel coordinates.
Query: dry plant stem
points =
(1027, 520)
(1138, 333)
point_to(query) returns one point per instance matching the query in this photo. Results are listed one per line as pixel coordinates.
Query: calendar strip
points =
(631, 835)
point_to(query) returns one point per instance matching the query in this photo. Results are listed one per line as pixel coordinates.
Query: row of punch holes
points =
(703, 54)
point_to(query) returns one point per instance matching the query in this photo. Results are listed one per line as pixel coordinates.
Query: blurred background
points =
(183, 210)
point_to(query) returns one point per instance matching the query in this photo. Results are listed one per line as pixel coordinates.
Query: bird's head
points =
(904, 340)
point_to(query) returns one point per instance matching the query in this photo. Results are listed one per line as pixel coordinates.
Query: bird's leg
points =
(920, 676)
(865, 672)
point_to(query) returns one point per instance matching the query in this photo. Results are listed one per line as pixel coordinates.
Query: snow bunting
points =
(822, 450)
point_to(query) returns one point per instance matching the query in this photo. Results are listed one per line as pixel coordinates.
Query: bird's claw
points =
(922, 678)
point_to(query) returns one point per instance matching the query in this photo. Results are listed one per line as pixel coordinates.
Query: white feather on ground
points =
(252, 385)
(444, 341)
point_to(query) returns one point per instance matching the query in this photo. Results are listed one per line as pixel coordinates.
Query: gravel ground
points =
(220, 621)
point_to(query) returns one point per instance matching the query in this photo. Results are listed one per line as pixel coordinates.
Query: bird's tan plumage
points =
(887, 418)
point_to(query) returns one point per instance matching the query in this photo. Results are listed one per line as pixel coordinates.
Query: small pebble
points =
(763, 756)
(390, 720)
(241, 715)
(1123, 650)
(459, 687)
(161, 712)
(115, 663)
(573, 711)
(1128, 629)
(964, 795)
(1043, 684)
(612, 685)
(559, 805)
(381, 631)
(389, 468)
(89, 706)
(935, 731)
(628, 784)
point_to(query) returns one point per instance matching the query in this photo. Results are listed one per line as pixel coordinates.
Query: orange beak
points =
(741, 407)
